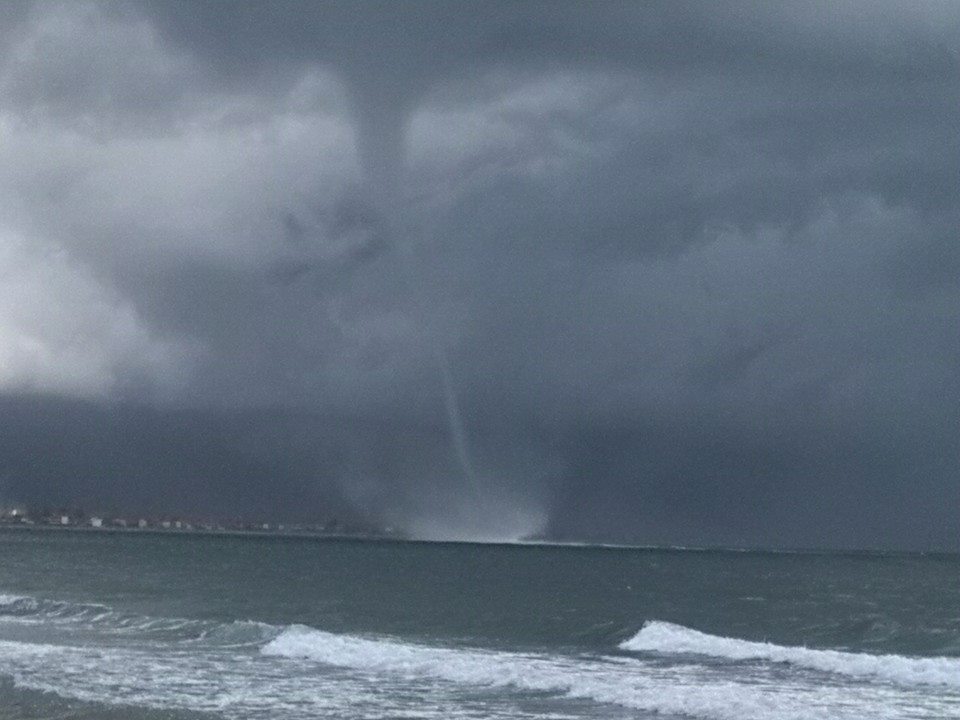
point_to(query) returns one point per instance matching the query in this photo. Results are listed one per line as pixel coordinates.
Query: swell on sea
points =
(241, 669)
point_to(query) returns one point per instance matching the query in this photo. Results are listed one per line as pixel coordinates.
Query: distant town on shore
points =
(22, 516)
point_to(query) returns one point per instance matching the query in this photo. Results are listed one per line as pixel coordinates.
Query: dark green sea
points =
(137, 625)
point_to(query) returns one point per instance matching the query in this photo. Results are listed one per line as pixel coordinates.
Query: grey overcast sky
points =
(693, 267)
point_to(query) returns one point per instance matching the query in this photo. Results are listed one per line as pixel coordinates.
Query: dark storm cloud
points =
(695, 267)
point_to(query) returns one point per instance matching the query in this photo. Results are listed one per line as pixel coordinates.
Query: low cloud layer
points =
(695, 270)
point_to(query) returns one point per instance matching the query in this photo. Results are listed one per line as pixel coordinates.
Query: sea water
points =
(139, 625)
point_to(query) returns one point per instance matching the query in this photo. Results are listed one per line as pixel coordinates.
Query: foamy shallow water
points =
(247, 670)
(112, 655)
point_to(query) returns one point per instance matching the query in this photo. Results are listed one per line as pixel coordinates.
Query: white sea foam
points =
(245, 669)
(16, 602)
(668, 638)
(28, 610)
(26, 605)
(686, 690)
(7, 599)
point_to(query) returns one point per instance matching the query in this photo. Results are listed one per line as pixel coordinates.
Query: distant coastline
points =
(295, 532)
(196, 531)
(21, 518)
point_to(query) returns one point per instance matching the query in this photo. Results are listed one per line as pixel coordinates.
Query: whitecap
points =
(669, 638)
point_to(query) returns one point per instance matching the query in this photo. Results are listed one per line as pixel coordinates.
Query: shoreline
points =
(516, 544)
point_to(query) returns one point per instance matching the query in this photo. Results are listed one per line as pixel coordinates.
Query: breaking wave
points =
(668, 638)
(687, 690)
(246, 669)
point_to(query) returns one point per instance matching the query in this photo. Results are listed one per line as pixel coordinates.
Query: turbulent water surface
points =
(100, 625)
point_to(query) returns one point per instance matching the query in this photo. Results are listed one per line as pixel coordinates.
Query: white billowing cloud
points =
(206, 192)
(63, 332)
(119, 146)
(89, 65)
(120, 160)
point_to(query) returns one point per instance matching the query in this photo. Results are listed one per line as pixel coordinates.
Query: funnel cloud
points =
(633, 272)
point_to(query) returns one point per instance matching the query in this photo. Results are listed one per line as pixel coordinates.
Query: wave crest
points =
(687, 690)
(204, 665)
(668, 638)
